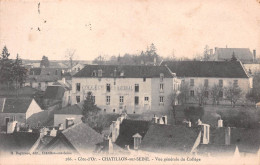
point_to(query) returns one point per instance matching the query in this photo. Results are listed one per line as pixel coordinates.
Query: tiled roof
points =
(127, 70)
(54, 92)
(74, 109)
(128, 128)
(17, 105)
(169, 139)
(43, 78)
(18, 141)
(221, 69)
(82, 137)
(247, 140)
(240, 53)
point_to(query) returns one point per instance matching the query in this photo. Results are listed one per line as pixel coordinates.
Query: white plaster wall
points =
(33, 108)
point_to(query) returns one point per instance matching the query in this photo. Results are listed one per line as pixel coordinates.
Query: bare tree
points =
(215, 94)
(70, 55)
(184, 92)
(233, 94)
(174, 100)
(202, 94)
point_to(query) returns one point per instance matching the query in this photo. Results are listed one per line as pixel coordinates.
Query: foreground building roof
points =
(15, 105)
(126, 71)
(221, 69)
(169, 139)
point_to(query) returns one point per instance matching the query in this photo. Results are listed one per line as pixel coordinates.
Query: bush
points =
(193, 113)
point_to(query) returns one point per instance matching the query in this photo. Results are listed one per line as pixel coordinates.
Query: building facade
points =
(133, 89)
(202, 76)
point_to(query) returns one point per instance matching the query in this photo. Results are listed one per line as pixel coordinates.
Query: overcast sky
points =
(102, 27)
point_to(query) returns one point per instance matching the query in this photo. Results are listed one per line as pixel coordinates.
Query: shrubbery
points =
(193, 113)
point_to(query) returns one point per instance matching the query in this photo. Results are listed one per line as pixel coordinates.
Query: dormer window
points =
(161, 76)
(100, 73)
(137, 140)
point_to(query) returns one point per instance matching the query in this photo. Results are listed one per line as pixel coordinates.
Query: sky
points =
(105, 27)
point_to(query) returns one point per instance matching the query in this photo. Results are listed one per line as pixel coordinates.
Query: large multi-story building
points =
(206, 74)
(133, 89)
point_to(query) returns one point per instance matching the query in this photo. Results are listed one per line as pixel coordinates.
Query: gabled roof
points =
(74, 109)
(54, 92)
(169, 139)
(80, 137)
(240, 53)
(128, 128)
(129, 71)
(16, 105)
(17, 141)
(221, 69)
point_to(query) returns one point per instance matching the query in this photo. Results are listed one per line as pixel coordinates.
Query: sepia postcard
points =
(130, 82)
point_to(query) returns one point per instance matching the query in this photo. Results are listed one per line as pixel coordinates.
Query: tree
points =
(215, 94)
(19, 72)
(193, 113)
(184, 92)
(202, 94)
(206, 53)
(254, 94)
(70, 55)
(45, 62)
(100, 60)
(233, 94)
(5, 67)
(174, 99)
(91, 112)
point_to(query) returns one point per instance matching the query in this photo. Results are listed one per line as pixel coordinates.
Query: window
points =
(220, 83)
(161, 87)
(78, 99)
(144, 79)
(108, 87)
(94, 73)
(78, 87)
(192, 93)
(105, 110)
(146, 98)
(99, 73)
(136, 87)
(114, 110)
(121, 99)
(220, 94)
(108, 100)
(136, 100)
(161, 76)
(206, 94)
(235, 83)
(192, 82)
(31, 84)
(56, 72)
(39, 84)
(206, 83)
(161, 99)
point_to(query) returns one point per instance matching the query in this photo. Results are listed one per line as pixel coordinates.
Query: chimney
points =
(220, 123)
(205, 133)
(254, 55)
(154, 119)
(53, 132)
(161, 121)
(61, 126)
(199, 122)
(227, 136)
(108, 146)
(164, 118)
(189, 124)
